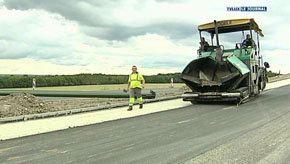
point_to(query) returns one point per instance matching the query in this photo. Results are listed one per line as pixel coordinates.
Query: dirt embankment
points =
(20, 104)
(25, 104)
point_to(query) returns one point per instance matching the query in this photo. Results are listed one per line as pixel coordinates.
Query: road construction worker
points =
(203, 45)
(203, 42)
(136, 82)
(33, 84)
(171, 83)
(249, 42)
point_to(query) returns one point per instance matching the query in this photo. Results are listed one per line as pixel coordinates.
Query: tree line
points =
(25, 81)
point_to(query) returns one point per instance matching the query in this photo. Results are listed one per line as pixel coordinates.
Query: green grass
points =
(96, 87)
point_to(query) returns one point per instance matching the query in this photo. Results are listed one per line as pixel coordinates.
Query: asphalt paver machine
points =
(220, 74)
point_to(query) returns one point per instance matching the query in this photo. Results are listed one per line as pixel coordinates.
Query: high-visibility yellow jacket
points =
(135, 80)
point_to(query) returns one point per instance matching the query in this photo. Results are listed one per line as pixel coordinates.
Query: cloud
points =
(35, 34)
(113, 20)
(71, 9)
(30, 66)
(175, 31)
(110, 36)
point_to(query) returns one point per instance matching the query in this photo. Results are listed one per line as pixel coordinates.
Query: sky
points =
(42, 37)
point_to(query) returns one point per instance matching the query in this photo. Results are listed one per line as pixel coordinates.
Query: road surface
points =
(258, 131)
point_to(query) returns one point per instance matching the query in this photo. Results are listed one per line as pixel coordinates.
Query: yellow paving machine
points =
(220, 74)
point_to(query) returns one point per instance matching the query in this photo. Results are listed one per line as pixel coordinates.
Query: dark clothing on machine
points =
(247, 43)
(204, 45)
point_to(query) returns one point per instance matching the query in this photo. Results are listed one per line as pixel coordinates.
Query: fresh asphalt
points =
(257, 131)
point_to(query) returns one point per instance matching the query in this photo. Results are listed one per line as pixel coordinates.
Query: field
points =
(97, 87)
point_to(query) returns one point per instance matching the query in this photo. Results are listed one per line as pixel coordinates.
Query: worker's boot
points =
(140, 106)
(130, 108)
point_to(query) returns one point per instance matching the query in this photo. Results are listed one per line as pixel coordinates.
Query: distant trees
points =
(15, 81)
(25, 81)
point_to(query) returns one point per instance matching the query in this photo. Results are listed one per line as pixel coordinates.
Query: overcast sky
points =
(91, 36)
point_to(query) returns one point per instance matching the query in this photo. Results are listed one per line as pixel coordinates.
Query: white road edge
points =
(32, 127)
